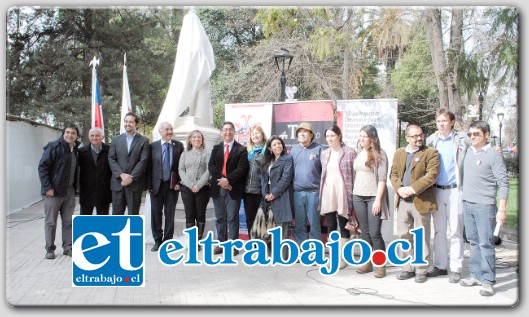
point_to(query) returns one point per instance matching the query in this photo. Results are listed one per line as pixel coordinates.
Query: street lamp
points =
(400, 108)
(500, 119)
(480, 101)
(282, 58)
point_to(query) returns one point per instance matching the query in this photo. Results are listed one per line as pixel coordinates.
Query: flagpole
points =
(126, 105)
(94, 63)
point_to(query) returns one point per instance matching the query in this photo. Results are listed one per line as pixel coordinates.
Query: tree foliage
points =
(340, 53)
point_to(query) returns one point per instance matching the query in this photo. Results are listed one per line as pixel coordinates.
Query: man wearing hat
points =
(307, 176)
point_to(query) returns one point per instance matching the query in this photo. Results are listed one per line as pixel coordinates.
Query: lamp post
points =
(283, 57)
(480, 101)
(400, 108)
(494, 139)
(500, 119)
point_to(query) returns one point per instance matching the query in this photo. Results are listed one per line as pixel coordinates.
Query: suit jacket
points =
(281, 176)
(95, 176)
(236, 168)
(133, 162)
(424, 170)
(155, 169)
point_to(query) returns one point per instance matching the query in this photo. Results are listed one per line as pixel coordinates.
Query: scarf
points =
(255, 151)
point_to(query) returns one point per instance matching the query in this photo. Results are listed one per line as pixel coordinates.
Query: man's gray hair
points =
(94, 129)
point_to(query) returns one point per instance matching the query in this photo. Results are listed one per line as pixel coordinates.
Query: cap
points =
(304, 125)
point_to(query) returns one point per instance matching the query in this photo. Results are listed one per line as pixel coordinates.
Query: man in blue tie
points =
(163, 182)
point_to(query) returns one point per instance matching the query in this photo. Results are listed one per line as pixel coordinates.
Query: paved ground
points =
(33, 281)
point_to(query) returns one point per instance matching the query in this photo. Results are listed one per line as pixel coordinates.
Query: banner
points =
(245, 115)
(287, 117)
(352, 115)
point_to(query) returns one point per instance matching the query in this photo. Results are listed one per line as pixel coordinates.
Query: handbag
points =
(263, 221)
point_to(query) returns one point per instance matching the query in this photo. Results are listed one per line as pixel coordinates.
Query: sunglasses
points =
(476, 134)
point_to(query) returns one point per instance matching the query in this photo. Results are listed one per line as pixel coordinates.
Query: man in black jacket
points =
(228, 166)
(95, 174)
(57, 173)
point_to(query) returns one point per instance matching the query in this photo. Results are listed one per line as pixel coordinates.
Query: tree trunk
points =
(454, 55)
(435, 42)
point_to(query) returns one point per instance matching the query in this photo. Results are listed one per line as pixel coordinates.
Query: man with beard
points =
(413, 175)
(128, 158)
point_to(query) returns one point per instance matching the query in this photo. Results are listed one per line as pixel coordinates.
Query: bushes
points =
(512, 163)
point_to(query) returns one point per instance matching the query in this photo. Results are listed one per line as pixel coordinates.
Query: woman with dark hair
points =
(252, 189)
(277, 173)
(370, 199)
(194, 174)
(336, 189)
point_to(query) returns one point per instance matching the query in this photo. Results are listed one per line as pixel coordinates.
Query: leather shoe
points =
(435, 272)
(235, 252)
(68, 252)
(217, 250)
(405, 275)
(155, 247)
(50, 255)
(420, 278)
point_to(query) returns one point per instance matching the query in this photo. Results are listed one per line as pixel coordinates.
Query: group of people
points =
(450, 176)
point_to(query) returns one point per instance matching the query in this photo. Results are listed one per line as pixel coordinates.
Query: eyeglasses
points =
(228, 130)
(415, 137)
(476, 134)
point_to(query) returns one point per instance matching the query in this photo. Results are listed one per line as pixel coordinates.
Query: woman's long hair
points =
(373, 153)
(269, 157)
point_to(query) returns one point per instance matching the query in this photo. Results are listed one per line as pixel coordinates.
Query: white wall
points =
(24, 147)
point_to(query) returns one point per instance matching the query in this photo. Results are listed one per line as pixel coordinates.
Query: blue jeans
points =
(306, 208)
(227, 215)
(480, 220)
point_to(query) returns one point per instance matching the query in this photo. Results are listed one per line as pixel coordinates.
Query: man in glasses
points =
(485, 178)
(452, 146)
(228, 166)
(413, 174)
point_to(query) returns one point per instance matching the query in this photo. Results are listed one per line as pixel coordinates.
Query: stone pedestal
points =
(184, 125)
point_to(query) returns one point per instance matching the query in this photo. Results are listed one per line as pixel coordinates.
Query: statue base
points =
(184, 125)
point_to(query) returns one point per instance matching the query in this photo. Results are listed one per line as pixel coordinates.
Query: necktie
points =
(166, 162)
(226, 153)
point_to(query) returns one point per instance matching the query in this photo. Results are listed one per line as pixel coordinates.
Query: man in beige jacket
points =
(413, 175)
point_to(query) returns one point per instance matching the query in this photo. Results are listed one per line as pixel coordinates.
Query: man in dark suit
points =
(95, 175)
(163, 182)
(128, 158)
(228, 166)
(413, 176)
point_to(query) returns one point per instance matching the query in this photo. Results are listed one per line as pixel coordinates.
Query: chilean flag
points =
(97, 105)
(98, 109)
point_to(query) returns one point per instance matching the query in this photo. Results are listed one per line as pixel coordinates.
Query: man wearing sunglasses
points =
(485, 177)
(452, 146)
(413, 175)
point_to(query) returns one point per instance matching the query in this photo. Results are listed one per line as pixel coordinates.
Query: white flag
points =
(126, 105)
